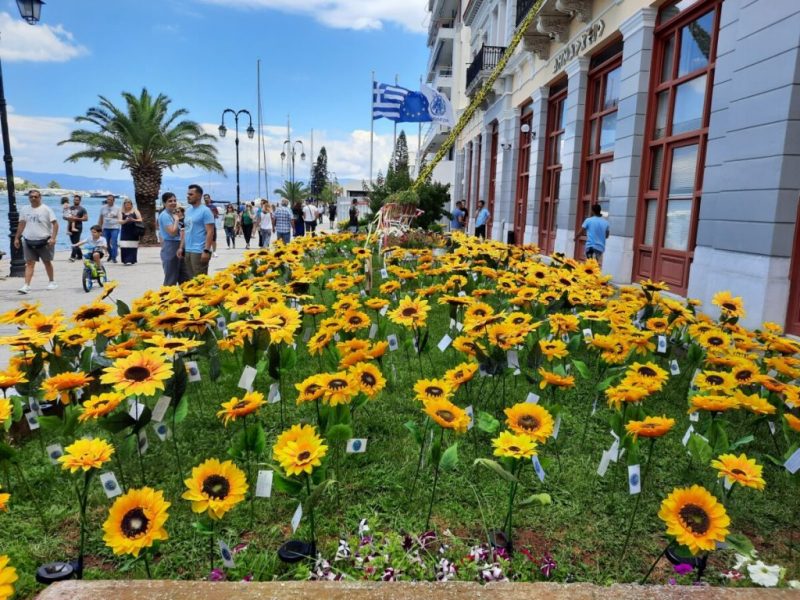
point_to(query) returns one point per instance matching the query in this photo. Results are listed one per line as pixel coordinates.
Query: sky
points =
(317, 58)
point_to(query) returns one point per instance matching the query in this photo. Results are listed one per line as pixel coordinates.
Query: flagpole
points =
(371, 127)
(394, 139)
(311, 162)
(419, 134)
(258, 94)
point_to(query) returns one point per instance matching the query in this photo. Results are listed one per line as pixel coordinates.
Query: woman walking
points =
(229, 222)
(129, 233)
(247, 223)
(265, 224)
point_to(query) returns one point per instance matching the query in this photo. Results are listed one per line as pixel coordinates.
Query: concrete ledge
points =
(300, 590)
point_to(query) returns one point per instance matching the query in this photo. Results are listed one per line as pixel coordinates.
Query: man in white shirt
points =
(310, 216)
(36, 233)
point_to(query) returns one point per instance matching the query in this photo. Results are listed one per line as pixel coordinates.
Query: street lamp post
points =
(250, 133)
(31, 11)
(292, 153)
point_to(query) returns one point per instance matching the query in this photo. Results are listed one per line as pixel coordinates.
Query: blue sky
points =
(316, 62)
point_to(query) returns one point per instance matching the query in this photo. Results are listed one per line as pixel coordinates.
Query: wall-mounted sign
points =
(587, 39)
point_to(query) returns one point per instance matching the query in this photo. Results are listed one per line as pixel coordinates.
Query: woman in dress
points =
(129, 233)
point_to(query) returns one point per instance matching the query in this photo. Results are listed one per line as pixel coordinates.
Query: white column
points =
(506, 182)
(539, 133)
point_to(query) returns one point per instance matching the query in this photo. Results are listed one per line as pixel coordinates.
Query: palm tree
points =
(293, 191)
(146, 139)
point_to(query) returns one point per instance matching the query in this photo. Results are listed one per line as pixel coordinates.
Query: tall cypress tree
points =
(319, 177)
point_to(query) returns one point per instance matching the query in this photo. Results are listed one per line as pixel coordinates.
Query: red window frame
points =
(523, 173)
(494, 147)
(551, 177)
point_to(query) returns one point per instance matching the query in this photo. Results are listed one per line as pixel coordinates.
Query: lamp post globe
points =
(250, 133)
(30, 10)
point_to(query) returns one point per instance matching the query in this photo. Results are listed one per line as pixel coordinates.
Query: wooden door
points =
(494, 146)
(551, 179)
(523, 174)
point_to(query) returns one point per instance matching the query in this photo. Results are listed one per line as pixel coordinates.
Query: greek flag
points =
(387, 100)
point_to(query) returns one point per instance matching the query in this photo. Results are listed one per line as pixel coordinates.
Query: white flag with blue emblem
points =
(439, 107)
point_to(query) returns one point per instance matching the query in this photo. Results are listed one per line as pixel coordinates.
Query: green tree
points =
(146, 138)
(293, 192)
(319, 175)
(53, 185)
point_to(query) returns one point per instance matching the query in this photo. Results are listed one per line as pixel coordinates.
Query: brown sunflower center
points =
(240, 404)
(354, 320)
(729, 306)
(446, 415)
(409, 311)
(715, 341)
(480, 313)
(744, 375)
(137, 373)
(183, 309)
(173, 345)
(90, 313)
(134, 523)
(738, 472)
(337, 384)
(304, 455)
(170, 320)
(695, 518)
(368, 379)
(216, 486)
(242, 301)
(649, 426)
(434, 390)
(528, 422)
(312, 388)
(646, 372)
(715, 380)
(45, 328)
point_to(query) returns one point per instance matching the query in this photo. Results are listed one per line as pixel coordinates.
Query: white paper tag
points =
(512, 358)
(771, 425)
(226, 555)
(135, 409)
(687, 435)
(772, 373)
(614, 434)
(793, 462)
(356, 446)
(373, 331)
(727, 483)
(144, 443)
(459, 326)
(445, 342)
(565, 338)
(274, 394)
(33, 420)
(382, 312)
(384, 274)
(694, 417)
(363, 293)
(634, 479)
(603, 466)
(474, 277)
(462, 293)
(587, 334)
(110, 485)
(537, 466)
(33, 403)
(393, 345)
(532, 398)
(557, 427)
(662, 344)
(193, 371)
(264, 484)
(471, 414)
(221, 323)
(307, 333)
(298, 514)
(613, 452)
(594, 406)
(452, 323)
(54, 452)
(162, 431)
(674, 368)
(161, 408)
(247, 378)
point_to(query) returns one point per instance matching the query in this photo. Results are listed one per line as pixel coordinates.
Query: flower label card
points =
(373, 331)
(307, 334)
(687, 435)
(33, 403)
(694, 417)
(603, 466)
(727, 482)
(298, 514)
(110, 485)
(613, 452)
(537, 467)
(594, 406)
(662, 344)
(226, 555)
(33, 420)
(634, 479)
(274, 394)
(393, 345)
(160, 408)
(793, 462)
(462, 293)
(512, 359)
(382, 312)
(384, 274)
(220, 323)
(532, 398)
(471, 414)
(162, 431)
(674, 368)
(771, 425)
(144, 443)
(445, 342)
(557, 427)
(54, 452)
(135, 409)
(247, 378)
(356, 445)
(587, 334)
(264, 484)
(193, 371)
(565, 338)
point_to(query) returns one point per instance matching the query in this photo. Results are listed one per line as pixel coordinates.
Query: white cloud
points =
(40, 43)
(347, 14)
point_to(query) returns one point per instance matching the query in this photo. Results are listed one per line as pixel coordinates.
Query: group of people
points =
(460, 216)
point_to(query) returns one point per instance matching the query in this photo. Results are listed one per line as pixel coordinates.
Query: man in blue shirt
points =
(481, 219)
(456, 223)
(169, 230)
(198, 235)
(597, 231)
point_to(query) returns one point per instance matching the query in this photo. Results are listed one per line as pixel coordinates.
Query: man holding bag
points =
(38, 224)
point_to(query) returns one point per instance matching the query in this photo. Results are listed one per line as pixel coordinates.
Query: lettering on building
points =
(588, 38)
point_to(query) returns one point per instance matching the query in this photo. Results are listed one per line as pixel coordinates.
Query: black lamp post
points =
(30, 10)
(292, 153)
(250, 133)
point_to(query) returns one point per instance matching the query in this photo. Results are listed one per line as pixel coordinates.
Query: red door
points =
(551, 179)
(682, 77)
(523, 174)
(492, 178)
(472, 205)
(793, 314)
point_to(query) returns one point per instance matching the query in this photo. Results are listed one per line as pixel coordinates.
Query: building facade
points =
(681, 118)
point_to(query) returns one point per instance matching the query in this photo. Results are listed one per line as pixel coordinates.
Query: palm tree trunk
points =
(146, 186)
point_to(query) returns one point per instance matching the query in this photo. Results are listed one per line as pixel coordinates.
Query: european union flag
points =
(415, 109)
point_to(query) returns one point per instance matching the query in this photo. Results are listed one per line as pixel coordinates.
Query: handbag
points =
(36, 244)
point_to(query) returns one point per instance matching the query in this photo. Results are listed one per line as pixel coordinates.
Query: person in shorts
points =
(36, 234)
(94, 247)
(597, 231)
(214, 211)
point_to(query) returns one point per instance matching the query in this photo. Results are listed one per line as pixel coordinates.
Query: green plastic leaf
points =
(449, 458)
(256, 439)
(6, 452)
(274, 362)
(176, 387)
(699, 449)
(581, 367)
(496, 468)
(436, 450)
(288, 359)
(605, 384)
(741, 543)
(181, 410)
(742, 441)
(113, 423)
(416, 432)
(202, 528)
(542, 499)
(316, 494)
(487, 422)
(122, 308)
(288, 486)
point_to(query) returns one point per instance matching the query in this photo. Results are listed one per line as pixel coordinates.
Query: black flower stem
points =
(83, 500)
(513, 492)
(141, 460)
(119, 466)
(280, 388)
(435, 481)
(249, 470)
(638, 499)
(211, 545)
(311, 513)
(7, 477)
(319, 418)
(175, 444)
(419, 460)
(147, 565)
(653, 566)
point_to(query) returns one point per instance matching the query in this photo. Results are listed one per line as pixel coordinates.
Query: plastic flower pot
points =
(56, 571)
(676, 557)
(295, 551)
(499, 540)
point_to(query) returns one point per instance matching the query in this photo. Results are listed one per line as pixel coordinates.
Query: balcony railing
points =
(523, 7)
(485, 60)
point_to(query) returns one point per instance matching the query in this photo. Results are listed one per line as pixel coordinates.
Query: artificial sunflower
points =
(235, 407)
(135, 521)
(648, 375)
(215, 487)
(4, 498)
(89, 315)
(461, 374)
(319, 341)
(86, 454)
(172, 345)
(338, 388)
(58, 387)
(433, 389)
(553, 349)
(554, 379)
(368, 378)
(6, 409)
(100, 405)
(529, 419)
(650, 427)
(447, 414)
(353, 320)
(378, 349)
(299, 450)
(754, 403)
(77, 336)
(624, 392)
(744, 471)
(8, 575)
(142, 372)
(729, 305)
(11, 377)
(410, 313)
(514, 445)
(792, 421)
(310, 389)
(695, 518)
(713, 403)
(717, 382)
